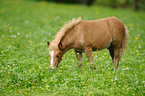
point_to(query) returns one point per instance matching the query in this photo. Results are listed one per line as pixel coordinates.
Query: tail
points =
(124, 42)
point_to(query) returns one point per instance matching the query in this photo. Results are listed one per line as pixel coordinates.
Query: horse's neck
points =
(68, 40)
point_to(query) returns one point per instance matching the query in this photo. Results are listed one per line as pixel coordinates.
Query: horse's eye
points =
(57, 56)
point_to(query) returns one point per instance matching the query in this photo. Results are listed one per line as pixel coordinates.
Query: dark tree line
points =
(85, 2)
(135, 4)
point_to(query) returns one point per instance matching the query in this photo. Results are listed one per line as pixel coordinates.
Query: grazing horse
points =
(88, 36)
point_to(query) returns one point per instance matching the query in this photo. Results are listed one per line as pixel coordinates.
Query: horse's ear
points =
(60, 45)
(48, 43)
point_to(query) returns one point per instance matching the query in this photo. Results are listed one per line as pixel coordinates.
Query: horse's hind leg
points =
(79, 58)
(116, 57)
(88, 52)
(115, 54)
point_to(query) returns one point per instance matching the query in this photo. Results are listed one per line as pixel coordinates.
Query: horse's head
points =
(55, 54)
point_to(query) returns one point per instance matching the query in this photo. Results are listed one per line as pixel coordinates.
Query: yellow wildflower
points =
(10, 28)
(1, 51)
(131, 24)
(2, 11)
(90, 48)
(8, 39)
(87, 63)
(97, 51)
(34, 46)
(30, 41)
(4, 25)
(136, 38)
(97, 12)
(136, 50)
(106, 57)
(73, 61)
(103, 56)
(72, 52)
(137, 54)
(105, 53)
(124, 59)
(134, 46)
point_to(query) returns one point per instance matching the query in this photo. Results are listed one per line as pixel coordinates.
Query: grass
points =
(26, 26)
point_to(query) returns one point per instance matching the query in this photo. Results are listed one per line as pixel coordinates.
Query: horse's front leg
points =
(88, 52)
(79, 57)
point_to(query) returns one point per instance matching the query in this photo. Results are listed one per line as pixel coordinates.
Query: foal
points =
(88, 36)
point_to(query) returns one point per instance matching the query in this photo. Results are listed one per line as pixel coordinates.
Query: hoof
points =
(80, 66)
(93, 66)
(51, 69)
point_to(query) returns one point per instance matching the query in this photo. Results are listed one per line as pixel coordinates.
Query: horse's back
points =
(100, 33)
(117, 29)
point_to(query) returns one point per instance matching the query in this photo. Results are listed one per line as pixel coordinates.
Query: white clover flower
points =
(126, 68)
(115, 78)
(13, 36)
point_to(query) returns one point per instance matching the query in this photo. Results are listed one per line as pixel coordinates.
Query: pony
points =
(88, 36)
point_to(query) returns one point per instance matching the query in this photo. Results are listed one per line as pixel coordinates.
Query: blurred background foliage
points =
(128, 4)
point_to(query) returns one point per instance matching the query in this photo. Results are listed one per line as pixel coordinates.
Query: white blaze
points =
(51, 54)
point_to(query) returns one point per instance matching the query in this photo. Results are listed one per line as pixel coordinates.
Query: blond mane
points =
(66, 27)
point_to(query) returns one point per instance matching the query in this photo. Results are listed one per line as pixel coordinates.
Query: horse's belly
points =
(101, 42)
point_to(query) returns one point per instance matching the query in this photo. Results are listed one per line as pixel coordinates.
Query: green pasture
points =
(25, 28)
